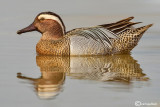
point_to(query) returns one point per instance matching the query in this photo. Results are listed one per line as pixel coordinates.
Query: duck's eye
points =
(42, 18)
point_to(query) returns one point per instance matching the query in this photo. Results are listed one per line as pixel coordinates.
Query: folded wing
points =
(104, 33)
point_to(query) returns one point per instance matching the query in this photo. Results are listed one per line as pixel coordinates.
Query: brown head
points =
(47, 23)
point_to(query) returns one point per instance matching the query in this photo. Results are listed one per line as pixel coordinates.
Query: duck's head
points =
(46, 22)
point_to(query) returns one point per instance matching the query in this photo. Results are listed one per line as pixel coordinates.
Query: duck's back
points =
(126, 41)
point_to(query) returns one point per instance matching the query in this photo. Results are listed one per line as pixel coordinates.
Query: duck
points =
(106, 39)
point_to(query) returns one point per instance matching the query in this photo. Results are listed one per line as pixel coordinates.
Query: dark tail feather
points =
(121, 25)
(121, 21)
(121, 28)
(126, 20)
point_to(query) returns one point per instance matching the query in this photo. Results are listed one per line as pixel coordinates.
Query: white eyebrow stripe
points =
(46, 16)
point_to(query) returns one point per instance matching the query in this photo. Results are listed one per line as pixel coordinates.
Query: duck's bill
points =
(27, 29)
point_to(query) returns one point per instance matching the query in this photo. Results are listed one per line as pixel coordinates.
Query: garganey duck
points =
(113, 38)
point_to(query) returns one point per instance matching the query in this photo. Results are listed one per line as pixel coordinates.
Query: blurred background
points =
(74, 88)
(25, 11)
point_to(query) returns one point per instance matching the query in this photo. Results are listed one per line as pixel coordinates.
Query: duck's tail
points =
(137, 33)
(129, 39)
(142, 29)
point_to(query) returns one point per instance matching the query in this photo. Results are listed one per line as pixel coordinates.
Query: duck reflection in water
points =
(53, 71)
(121, 68)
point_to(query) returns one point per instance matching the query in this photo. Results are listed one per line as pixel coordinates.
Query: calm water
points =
(27, 80)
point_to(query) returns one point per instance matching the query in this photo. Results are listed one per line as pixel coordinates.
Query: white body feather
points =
(83, 46)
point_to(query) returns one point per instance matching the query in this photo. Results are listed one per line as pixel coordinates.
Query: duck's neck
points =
(50, 36)
(56, 33)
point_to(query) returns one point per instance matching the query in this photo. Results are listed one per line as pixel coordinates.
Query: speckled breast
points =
(51, 47)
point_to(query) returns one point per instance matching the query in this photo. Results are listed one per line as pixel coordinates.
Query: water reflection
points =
(121, 68)
(53, 71)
